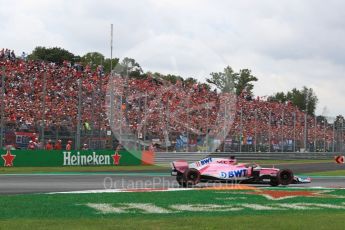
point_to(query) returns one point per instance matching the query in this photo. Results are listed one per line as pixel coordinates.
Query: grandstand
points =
(72, 103)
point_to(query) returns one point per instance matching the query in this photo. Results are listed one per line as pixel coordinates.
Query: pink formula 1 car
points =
(228, 170)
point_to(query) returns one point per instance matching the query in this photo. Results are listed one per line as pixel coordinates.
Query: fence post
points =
(324, 134)
(333, 137)
(269, 131)
(2, 106)
(77, 143)
(225, 122)
(315, 131)
(188, 104)
(43, 107)
(112, 88)
(255, 129)
(305, 132)
(342, 135)
(207, 148)
(241, 135)
(111, 120)
(282, 131)
(145, 121)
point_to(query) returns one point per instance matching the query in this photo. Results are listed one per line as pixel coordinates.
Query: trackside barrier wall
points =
(57, 158)
(148, 158)
(167, 157)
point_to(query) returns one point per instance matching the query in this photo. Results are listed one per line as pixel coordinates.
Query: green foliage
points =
(108, 65)
(339, 122)
(321, 119)
(129, 67)
(223, 80)
(55, 54)
(305, 99)
(243, 82)
(94, 59)
(206, 86)
(190, 81)
(230, 81)
(172, 78)
(278, 97)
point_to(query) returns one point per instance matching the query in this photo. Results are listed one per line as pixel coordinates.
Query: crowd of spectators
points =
(166, 111)
(152, 109)
(29, 83)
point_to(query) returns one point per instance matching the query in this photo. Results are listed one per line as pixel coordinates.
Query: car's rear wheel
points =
(190, 177)
(179, 179)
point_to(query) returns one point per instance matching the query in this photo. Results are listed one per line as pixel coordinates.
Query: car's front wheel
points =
(274, 181)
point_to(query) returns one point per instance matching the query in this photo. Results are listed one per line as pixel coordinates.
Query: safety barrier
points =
(57, 158)
(167, 157)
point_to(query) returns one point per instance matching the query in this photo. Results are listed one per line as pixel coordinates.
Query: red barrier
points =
(339, 159)
(148, 158)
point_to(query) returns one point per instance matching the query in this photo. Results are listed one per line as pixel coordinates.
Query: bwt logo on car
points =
(204, 161)
(234, 173)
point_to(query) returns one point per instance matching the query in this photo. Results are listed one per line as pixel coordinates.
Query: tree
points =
(172, 78)
(229, 81)
(243, 82)
(129, 67)
(107, 64)
(205, 86)
(278, 97)
(321, 119)
(93, 59)
(339, 122)
(224, 81)
(305, 99)
(190, 81)
(55, 54)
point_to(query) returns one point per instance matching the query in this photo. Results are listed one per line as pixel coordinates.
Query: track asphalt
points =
(63, 182)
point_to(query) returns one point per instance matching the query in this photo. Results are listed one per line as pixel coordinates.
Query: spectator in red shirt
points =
(31, 145)
(69, 145)
(49, 145)
(58, 145)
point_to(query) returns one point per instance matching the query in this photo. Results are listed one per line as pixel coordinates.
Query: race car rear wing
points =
(180, 166)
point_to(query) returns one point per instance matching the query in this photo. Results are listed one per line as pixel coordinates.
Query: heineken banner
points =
(55, 158)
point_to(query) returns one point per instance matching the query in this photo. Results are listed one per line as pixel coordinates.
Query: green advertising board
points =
(56, 158)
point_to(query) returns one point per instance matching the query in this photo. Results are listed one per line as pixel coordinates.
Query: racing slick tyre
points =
(274, 181)
(190, 177)
(179, 179)
(285, 176)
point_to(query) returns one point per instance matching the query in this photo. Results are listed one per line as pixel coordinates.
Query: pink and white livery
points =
(228, 170)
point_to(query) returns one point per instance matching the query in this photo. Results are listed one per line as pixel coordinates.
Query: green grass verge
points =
(8, 170)
(302, 161)
(274, 221)
(69, 211)
(328, 173)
